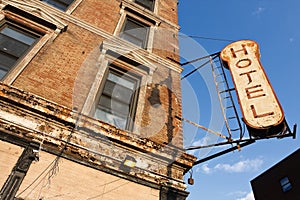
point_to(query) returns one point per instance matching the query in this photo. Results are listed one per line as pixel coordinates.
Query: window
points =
(148, 4)
(117, 102)
(59, 4)
(285, 184)
(15, 42)
(135, 32)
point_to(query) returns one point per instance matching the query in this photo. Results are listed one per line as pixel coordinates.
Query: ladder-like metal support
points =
(229, 111)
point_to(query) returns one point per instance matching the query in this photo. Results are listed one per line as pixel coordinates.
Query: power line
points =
(206, 38)
(54, 164)
(115, 188)
(197, 59)
(207, 62)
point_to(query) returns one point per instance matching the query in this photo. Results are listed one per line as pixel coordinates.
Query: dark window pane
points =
(111, 119)
(287, 187)
(133, 40)
(135, 29)
(14, 43)
(2, 73)
(135, 32)
(285, 184)
(113, 106)
(284, 181)
(59, 4)
(116, 102)
(18, 36)
(7, 61)
(5, 64)
(149, 4)
(117, 92)
(121, 80)
(12, 46)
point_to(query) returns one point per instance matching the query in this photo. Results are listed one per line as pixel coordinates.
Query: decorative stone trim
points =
(18, 173)
(73, 6)
(38, 11)
(48, 25)
(126, 4)
(54, 15)
(32, 118)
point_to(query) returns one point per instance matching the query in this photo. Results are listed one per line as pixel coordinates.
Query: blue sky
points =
(274, 24)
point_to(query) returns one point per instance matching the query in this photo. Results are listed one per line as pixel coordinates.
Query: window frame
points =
(285, 184)
(25, 31)
(152, 9)
(109, 54)
(42, 23)
(116, 69)
(142, 25)
(59, 2)
(130, 9)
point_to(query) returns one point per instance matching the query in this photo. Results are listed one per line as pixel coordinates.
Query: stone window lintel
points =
(151, 16)
(34, 11)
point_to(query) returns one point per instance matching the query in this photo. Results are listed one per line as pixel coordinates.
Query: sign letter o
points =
(243, 63)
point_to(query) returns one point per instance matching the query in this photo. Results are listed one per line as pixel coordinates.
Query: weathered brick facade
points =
(51, 144)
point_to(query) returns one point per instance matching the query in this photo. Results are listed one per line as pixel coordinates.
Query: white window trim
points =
(49, 36)
(38, 9)
(73, 6)
(12, 75)
(130, 5)
(69, 10)
(124, 15)
(152, 16)
(146, 78)
(117, 66)
(155, 9)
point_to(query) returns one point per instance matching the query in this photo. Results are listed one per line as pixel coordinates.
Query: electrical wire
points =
(108, 191)
(185, 76)
(54, 165)
(201, 58)
(206, 38)
(18, 195)
(207, 62)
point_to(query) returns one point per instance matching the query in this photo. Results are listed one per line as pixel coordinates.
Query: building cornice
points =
(34, 119)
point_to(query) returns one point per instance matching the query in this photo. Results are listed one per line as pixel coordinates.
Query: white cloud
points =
(258, 11)
(237, 193)
(207, 140)
(291, 40)
(205, 169)
(249, 196)
(239, 167)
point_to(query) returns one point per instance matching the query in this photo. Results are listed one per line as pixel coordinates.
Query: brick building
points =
(282, 181)
(90, 99)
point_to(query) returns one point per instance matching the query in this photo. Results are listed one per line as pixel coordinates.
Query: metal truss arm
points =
(238, 146)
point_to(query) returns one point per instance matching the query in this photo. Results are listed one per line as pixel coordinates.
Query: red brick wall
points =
(103, 14)
(165, 43)
(168, 10)
(53, 71)
(163, 127)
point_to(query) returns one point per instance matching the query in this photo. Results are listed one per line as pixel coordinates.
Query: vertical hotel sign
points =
(259, 104)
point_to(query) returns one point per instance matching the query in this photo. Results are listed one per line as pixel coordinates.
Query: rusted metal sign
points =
(259, 104)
